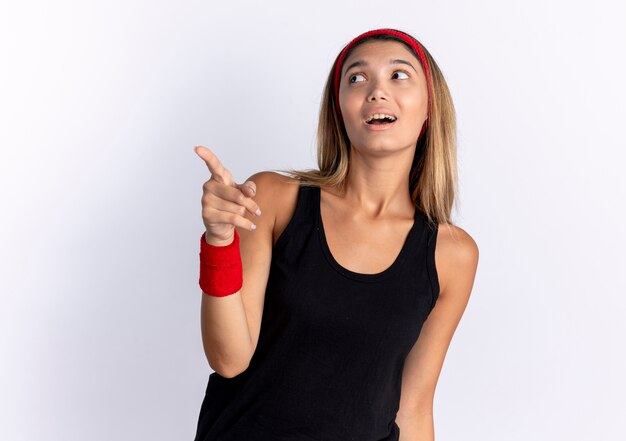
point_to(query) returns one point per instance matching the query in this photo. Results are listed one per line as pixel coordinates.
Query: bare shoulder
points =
(277, 196)
(456, 258)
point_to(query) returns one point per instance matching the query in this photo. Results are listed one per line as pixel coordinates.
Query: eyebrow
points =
(364, 63)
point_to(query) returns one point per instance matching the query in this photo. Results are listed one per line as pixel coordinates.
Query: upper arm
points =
(456, 259)
(256, 251)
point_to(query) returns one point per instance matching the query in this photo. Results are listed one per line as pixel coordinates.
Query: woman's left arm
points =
(456, 260)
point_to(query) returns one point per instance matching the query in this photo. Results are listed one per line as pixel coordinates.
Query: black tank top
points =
(328, 363)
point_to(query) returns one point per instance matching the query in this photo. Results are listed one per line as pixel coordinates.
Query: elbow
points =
(230, 360)
(229, 371)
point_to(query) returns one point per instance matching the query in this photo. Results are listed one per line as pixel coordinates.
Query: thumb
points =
(248, 188)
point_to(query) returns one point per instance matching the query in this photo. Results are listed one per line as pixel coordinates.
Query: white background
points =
(101, 104)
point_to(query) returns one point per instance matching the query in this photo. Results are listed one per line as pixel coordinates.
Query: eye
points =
(402, 72)
(352, 76)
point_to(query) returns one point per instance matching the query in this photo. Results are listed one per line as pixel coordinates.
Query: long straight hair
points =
(433, 176)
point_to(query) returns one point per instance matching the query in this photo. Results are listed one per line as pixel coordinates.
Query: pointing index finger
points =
(215, 166)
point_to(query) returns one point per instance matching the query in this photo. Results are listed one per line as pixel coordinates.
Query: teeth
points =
(380, 116)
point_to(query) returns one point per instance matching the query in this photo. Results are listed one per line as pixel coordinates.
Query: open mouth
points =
(380, 120)
(385, 120)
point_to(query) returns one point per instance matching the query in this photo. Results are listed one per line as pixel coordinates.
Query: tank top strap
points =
(301, 221)
(432, 231)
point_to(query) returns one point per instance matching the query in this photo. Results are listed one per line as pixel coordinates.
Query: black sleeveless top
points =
(328, 363)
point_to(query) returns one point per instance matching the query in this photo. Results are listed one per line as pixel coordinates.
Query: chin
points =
(377, 146)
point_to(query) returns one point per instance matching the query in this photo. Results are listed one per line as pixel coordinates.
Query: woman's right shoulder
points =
(274, 185)
(276, 195)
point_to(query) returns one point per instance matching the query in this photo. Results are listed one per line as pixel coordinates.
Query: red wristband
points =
(220, 268)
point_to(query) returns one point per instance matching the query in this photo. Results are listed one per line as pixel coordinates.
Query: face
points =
(380, 85)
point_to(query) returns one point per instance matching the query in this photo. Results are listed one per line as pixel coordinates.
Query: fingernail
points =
(258, 212)
(253, 227)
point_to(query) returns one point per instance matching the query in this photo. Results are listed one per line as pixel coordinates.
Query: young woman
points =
(328, 315)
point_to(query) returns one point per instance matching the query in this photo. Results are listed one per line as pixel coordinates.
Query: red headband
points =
(414, 44)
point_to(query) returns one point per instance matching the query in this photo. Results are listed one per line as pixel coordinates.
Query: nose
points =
(378, 92)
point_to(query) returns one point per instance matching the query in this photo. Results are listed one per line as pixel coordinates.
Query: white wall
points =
(101, 104)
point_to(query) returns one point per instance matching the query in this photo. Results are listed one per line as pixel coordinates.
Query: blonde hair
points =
(433, 176)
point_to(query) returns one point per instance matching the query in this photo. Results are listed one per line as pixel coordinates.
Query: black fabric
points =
(332, 344)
